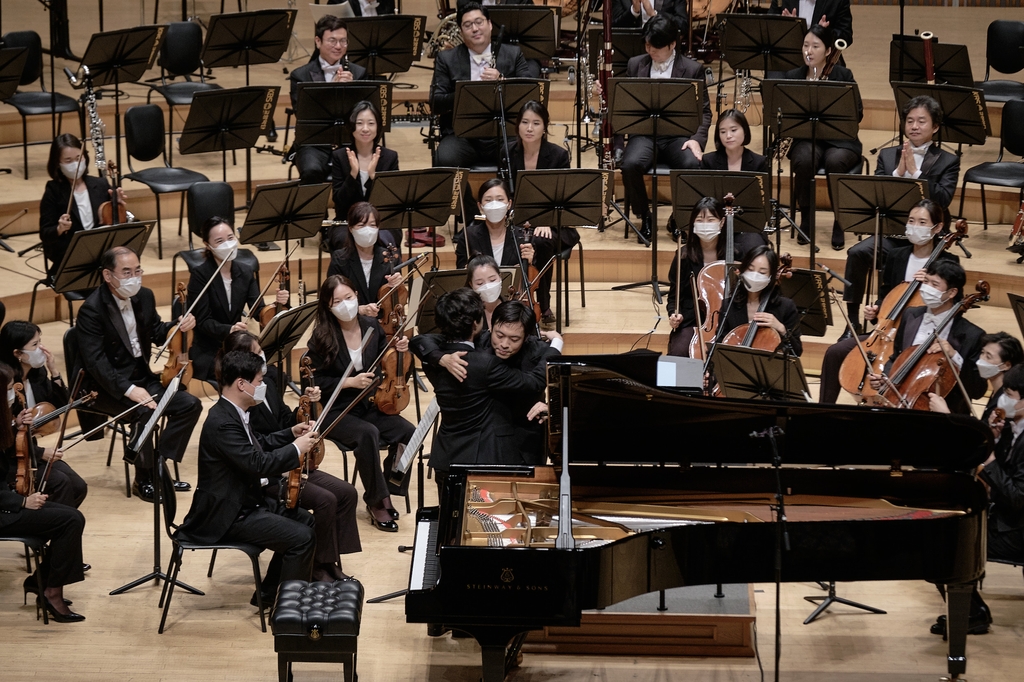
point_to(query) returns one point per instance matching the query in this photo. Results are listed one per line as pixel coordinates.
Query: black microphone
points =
(834, 275)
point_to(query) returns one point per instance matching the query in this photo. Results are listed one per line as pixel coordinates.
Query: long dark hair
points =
(6, 432)
(539, 109)
(692, 249)
(326, 338)
(359, 212)
(59, 144)
(236, 340)
(13, 337)
(773, 270)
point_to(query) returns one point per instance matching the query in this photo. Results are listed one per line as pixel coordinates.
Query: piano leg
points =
(958, 607)
(499, 649)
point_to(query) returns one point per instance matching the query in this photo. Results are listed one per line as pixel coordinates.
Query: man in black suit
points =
(117, 327)
(942, 289)
(919, 157)
(832, 13)
(476, 424)
(470, 61)
(367, 8)
(234, 462)
(636, 13)
(661, 61)
(328, 66)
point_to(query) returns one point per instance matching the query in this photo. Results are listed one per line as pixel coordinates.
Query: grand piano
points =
(668, 490)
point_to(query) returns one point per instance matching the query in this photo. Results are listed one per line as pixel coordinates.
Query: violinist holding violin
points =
(38, 515)
(759, 302)
(362, 259)
(34, 367)
(491, 237)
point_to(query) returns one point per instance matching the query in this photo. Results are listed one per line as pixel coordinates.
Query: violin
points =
(178, 350)
(25, 475)
(526, 291)
(109, 215)
(916, 372)
(297, 476)
(267, 313)
(878, 347)
(316, 451)
(392, 300)
(45, 415)
(752, 335)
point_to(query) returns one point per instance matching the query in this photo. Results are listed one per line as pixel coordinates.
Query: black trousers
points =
(638, 158)
(805, 165)
(333, 503)
(290, 538)
(62, 526)
(828, 393)
(461, 152)
(313, 164)
(64, 485)
(362, 431)
(858, 264)
(544, 250)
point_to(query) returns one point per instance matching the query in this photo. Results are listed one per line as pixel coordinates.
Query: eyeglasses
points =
(126, 273)
(335, 42)
(476, 23)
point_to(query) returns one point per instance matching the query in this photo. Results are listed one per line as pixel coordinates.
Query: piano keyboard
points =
(424, 559)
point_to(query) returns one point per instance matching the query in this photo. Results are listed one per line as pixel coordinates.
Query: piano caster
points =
(830, 599)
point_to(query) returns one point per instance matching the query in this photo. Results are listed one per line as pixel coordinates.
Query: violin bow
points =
(177, 327)
(348, 408)
(63, 427)
(71, 198)
(109, 422)
(405, 277)
(696, 307)
(341, 382)
(860, 346)
(270, 281)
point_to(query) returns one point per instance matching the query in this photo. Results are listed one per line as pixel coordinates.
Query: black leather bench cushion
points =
(336, 608)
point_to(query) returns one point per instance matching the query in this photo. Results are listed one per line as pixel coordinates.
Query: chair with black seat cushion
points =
(33, 550)
(181, 56)
(144, 137)
(205, 200)
(70, 296)
(1004, 53)
(179, 545)
(41, 103)
(1001, 173)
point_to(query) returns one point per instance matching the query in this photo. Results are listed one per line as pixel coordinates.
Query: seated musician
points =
(219, 310)
(68, 165)
(758, 272)
(919, 157)
(337, 335)
(116, 328)
(1000, 353)
(361, 260)
(367, 8)
(35, 367)
(229, 505)
(332, 500)
(38, 515)
(661, 36)
(330, 66)
(941, 289)
(905, 264)
(476, 424)
(473, 60)
(636, 13)
(834, 14)
(513, 339)
(353, 169)
(705, 244)
(835, 156)
(732, 135)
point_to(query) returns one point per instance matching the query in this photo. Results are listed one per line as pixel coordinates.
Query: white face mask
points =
(931, 296)
(126, 288)
(1007, 405)
(264, 359)
(707, 231)
(755, 281)
(919, 234)
(987, 370)
(259, 393)
(346, 310)
(73, 169)
(495, 211)
(225, 251)
(490, 292)
(365, 236)
(35, 358)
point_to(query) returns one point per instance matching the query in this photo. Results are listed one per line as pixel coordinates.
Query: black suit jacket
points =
(839, 73)
(55, 203)
(452, 65)
(751, 162)
(964, 336)
(940, 168)
(480, 244)
(312, 73)
(622, 13)
(383, 6)
(346, 262)
(273, 414)
(476, 424)
(230, 468)
(896, 268)
(781, 307)
(1005, 477)
(347, 189)
(683, 67)
(214, 313)
(551, 156)
(840, 19)
(105, 350)
(45, 390)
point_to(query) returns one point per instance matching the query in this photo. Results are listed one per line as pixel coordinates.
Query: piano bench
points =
(317, 623)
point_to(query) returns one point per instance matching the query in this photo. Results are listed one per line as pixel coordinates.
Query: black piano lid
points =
(616, 418)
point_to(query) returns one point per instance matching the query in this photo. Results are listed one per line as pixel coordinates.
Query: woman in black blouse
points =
(732, 135)
(758, 271)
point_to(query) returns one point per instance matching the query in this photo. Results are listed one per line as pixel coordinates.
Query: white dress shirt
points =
(919, 154)
(227, 287)
(368, 8)
(928, 324)
(913, 265)
(330, 70)
(85, 209)
(357, 359)
(479, 62)
(644, 16)
(498, 250)
(367, 266)
(128, 315)
(806, 11)
(663, 69)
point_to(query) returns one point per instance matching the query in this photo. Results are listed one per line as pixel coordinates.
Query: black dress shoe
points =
(386, 526)
(977, 624)
(268, 600)
(182, 486)
(393, 513)
(646, 229)
(86, 567)
(846, 335)
(144, 491)
(70, 617)
(838, 238)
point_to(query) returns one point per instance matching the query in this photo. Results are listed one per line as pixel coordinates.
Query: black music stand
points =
(283, 332)
(440, 282)
(626, 44)
(808, 290)
(385, 44)
(951, 63)
(672, 107)
(815, 110)
(748, 189)
(756, 374)
(248, 38)
(159, 472)
(120, 57)
(1017, 303)
(80, 267)
(283, 211)
(222, 120)
(560, 198)
(481, 107)
(322, 110)
(758, 41)
(420, 198)
(964, 113)
(12, 65)
(531, 29)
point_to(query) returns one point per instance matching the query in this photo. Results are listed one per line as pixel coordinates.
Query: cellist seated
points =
(941, 290)
(759, 302)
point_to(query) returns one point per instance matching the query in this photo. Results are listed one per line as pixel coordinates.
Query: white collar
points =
(241, 413)
(665, 65)
(480, 57)
(923, 149)
(324, 65)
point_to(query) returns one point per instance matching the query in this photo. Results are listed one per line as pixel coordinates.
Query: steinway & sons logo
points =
(507, 584)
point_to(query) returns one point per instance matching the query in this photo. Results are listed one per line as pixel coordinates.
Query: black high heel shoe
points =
(386, 526)
(32, 588)
(70, 617)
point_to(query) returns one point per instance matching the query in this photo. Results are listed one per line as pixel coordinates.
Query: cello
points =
(752, 335)
(711, 287)
(916, 372)
(853, 373)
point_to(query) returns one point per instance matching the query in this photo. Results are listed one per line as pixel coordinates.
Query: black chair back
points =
(34, 63)
(183, 45)
(87, 418)
(1003, 48)
(144, 132)
(207, 199)
(1013, 127)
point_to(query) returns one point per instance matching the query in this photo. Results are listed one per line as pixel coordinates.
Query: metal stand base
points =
(830, 599)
